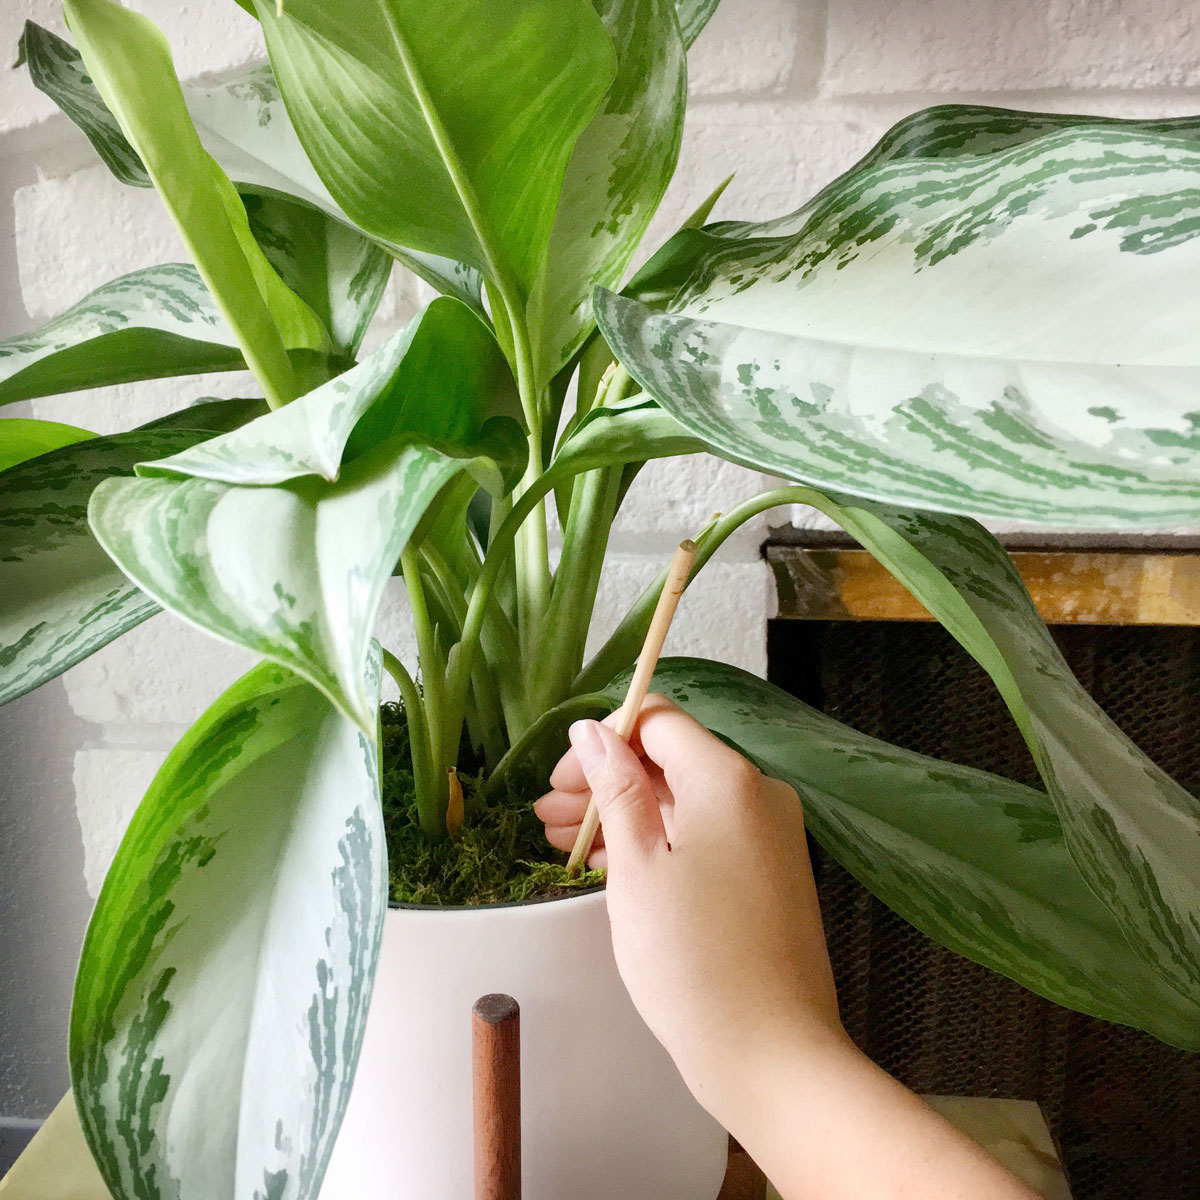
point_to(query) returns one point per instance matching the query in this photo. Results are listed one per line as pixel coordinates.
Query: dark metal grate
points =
(1124, 1107)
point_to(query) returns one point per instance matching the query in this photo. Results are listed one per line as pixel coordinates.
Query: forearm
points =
(824, 1123)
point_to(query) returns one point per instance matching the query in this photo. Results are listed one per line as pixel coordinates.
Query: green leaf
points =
(616, 177)
(281, 536)
(243, 124)
(337, 272)
(22, 439)
(61, 598)
(445, 129)
(56, 69)
(149, 324)
(130, 63)
(439, 380)
(1133, 832)
(631, 431)
(976, 862)
(294, 572)
(227, 969)
(693, 16)
(954, 331)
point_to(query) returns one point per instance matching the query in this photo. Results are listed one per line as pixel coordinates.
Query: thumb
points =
(622, 790)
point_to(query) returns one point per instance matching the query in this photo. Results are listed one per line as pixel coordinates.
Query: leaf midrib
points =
(455, 168)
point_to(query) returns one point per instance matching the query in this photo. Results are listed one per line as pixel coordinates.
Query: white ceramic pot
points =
(605, 1115)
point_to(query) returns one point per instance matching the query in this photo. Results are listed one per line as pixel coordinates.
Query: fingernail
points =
(589, 746)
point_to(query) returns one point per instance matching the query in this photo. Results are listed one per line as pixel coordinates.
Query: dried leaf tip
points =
(454, 807)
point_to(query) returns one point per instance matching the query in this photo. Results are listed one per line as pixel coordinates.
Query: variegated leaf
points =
(693, 16)
(466, 164)
(57, 70)
(630, 431)
(282, 536)
(61, 597)
(439, 379)
(130, 63)
(294, 573)
(975, 861)
(22, 439)
(226, 972)
(336, 271)
(617, 175)
(151, 323)
(1134, 832)
(955, 331)
(243, 124)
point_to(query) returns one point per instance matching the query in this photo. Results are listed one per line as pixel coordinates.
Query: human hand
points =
(715, 923)
(717, 935)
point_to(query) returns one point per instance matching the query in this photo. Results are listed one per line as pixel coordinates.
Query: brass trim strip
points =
(1068, 587)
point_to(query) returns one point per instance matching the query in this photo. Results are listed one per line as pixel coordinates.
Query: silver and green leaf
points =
(157, 322)
(130, 63)
(693, 15)
(977, 862)
(282, 535)
(957, 330)
(61, 597)
(615, 179)
(226, 972)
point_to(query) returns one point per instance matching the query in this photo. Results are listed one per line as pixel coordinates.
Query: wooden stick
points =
(496, 1055)
(639, 685)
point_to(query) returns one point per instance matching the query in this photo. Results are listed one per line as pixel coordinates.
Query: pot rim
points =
(578, 894)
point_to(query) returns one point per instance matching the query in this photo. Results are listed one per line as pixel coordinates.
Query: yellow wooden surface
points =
(1013, 1131)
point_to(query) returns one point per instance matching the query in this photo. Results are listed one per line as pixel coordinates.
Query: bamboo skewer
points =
(639, 685)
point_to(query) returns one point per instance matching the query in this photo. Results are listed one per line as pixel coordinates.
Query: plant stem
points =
(430, 810)
(494, 563)
(585, 539)
(485, 720)
(568, 710)
(432, 667)
(622, 647)
(591, 509)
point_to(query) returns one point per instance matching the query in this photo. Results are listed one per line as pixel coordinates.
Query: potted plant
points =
(957, 325)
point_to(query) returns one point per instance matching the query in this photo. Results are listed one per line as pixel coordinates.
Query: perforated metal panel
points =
(1124, 1108)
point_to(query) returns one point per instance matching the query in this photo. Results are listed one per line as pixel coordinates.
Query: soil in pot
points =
(501, 856)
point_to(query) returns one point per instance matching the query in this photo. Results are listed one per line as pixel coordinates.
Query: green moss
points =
(502, 855)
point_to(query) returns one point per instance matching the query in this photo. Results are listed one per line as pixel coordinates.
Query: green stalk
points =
(585, 540)
(430, 809)
(532, 547)
(592, 507)
(432, 667)
(486, 720)
(569, 710)
(502, 541)
(622, 647)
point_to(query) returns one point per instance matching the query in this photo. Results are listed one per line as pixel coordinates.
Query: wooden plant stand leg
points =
(743, 1181)
(496, 1056)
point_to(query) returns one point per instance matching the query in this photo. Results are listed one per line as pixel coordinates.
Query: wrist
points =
(741, 1083)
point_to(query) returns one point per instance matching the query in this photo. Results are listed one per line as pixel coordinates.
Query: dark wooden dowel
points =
(496, 1045)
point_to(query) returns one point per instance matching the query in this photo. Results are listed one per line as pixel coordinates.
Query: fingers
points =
(623, 792)
(562, 808)
(562, 814)
(562, 837)
(670, 739)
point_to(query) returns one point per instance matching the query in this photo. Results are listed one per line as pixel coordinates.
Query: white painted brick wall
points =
(786, 93)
